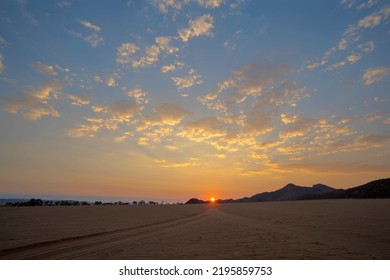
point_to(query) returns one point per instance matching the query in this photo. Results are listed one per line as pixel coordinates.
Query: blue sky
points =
(180, 98)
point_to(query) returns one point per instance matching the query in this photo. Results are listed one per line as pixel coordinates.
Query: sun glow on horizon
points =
(212, 199)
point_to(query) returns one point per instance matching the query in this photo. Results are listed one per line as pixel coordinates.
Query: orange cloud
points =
(201, 26)
(34, 105)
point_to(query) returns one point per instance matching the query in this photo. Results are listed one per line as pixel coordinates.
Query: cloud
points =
(333, 167)
(250, 101)
(170, 114)
(94, 40)
(372, 117)
(368, 4)
(84, 130)
(221, 87)
(374, 75)
(248, 80)
(3, 42)
(234, 5)
(97, 79)
(286, 119)
(171, 148)
(34, 105)
(64, 70)
(112, 80)
(351, 36)
(344, 143)
(138, 94)
(229, 46)
(251, 79)
(351, 59)
(119, 111)
(168, 68)
(164, 116)
(167, 164)
(89, 25)
(151, 56)
(370, 21)
(127, 53)
(203, 129)
(164, 43)
(64, 4)
(314, 65)
(374, 140)
(2, 67)
(367, 47)
(342, 44)
(45, 69)
(29, 107)
(201, 26)
(348, 3)
(165, 5)
(211, 3)
(379, 100)
(94, 120)
(186, 82)
(80, 100)
(258, 123)
(122, 109)
(172, 67)
(298, 128)
(335, 66)
(322, 138)
(351, 3)
(122, 138)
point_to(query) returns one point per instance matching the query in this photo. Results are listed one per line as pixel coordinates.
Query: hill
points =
(288, 192)
(375, 189)
(195, 201)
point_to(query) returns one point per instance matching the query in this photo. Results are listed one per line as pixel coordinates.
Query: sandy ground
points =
(327, 229)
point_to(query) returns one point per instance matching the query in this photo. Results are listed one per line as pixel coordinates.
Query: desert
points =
(310, 229)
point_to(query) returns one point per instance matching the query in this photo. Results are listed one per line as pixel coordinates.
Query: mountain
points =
(195, 201)
(288, 192)
(375, 189)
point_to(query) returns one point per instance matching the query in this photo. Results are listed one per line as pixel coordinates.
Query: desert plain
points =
(320, 229)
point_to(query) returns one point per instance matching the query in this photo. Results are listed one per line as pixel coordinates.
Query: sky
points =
(175, 99)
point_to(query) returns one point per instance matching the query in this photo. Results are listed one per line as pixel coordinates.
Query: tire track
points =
(81, 246)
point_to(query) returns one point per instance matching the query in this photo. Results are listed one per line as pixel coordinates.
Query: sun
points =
(212, 199)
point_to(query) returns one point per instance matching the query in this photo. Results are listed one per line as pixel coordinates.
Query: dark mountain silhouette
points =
(289, 192)
(375, 189)
(195, 201)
